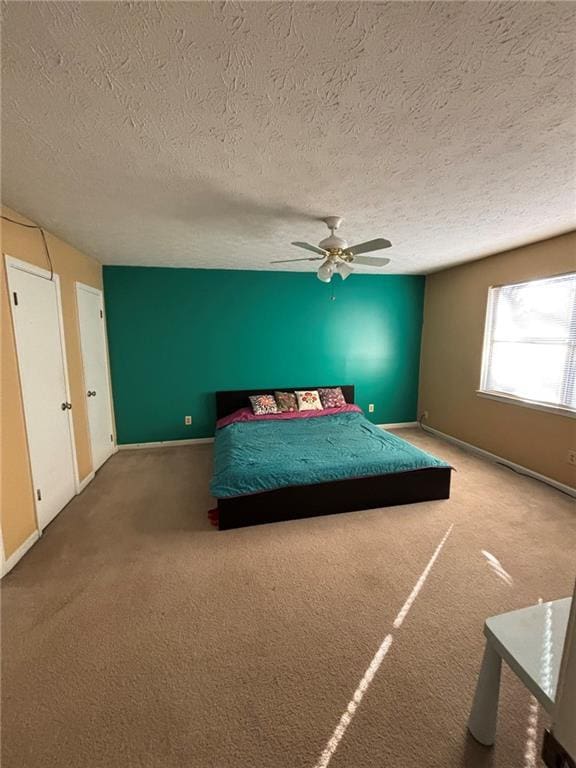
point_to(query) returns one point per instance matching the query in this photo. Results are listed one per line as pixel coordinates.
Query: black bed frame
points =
(299, 501)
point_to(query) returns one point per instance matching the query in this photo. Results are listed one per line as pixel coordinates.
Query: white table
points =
(530, 641)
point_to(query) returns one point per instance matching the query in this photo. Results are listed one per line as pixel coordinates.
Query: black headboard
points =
(229, 401)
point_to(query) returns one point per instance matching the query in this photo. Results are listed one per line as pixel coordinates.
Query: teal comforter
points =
(256, 456)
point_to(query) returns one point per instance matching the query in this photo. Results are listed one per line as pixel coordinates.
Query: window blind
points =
(530, 341)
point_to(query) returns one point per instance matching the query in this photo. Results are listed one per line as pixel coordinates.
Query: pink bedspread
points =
(246, 414)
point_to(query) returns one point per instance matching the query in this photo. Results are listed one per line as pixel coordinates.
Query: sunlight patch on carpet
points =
(497, 567)
(531, 745)
(350, 710)
(374, 665)
(420, 583)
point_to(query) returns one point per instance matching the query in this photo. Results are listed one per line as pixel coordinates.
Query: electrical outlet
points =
(188, 420)
(371, 408)
(572, 457)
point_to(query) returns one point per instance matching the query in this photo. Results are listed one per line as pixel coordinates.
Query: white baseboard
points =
(205, 440)
(498, 459)
(166, 443)
(83, 483)
(8, 564)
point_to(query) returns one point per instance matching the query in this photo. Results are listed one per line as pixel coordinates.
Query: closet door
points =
(96, 376)
(35, 303)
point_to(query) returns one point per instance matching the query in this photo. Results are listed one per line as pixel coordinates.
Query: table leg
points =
(482, 721)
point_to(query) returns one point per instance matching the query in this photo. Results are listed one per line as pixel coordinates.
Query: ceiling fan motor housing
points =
(333, 242)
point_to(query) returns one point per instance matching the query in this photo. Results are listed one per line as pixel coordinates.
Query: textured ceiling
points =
(213, 134)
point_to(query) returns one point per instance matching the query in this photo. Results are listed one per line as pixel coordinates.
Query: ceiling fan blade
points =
(306, 258)
(369, 245)
(371, 261)
(312, 248)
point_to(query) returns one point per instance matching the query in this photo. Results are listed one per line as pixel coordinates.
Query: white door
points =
(35, 302)
(96, 376)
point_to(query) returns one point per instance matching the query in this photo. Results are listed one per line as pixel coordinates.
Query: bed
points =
(271, 468)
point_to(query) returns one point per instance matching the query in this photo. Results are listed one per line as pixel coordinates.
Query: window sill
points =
(557, 409)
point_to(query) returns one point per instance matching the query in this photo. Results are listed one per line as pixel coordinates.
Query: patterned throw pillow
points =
(332, 398)
(308, 400)
(262, 404)
(286, 401)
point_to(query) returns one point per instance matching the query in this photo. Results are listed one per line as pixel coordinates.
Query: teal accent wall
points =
(177, 335)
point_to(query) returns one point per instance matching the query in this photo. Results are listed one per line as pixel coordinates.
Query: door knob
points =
(91, 393)
(66, 406)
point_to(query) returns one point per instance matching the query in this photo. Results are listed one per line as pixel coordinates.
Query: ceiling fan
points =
(337, 255)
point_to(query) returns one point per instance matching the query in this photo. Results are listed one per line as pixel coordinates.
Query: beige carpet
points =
(134, 634)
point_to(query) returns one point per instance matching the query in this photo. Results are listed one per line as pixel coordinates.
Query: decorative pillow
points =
(332, 398)
(308, 400)
(262, 404)
(286, 401)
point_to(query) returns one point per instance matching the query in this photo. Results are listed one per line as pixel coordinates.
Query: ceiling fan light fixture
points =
(325, 272)
(344, 269)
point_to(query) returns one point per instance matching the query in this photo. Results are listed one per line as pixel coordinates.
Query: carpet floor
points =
(135, 634)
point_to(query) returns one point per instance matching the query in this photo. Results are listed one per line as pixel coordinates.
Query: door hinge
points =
(101, 313)
(15, 295)
(38, 494)
(111, 438)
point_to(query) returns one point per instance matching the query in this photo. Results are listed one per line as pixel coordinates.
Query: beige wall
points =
(17, 513)
(454, 314)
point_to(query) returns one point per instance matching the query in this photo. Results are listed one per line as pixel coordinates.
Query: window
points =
(530, 342)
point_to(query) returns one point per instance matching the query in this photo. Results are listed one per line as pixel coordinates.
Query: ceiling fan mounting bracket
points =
(333, 222)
